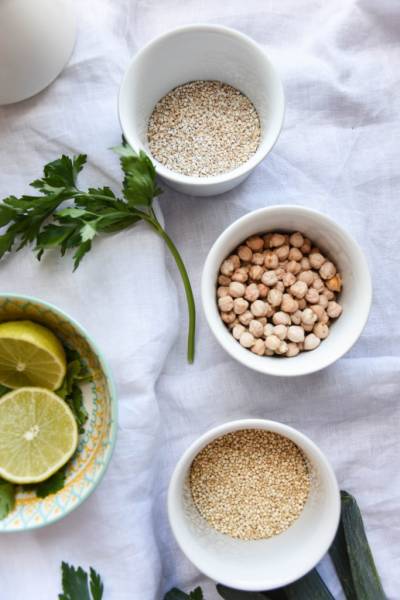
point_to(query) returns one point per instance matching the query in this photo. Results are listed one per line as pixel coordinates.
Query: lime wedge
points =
(38, 435)
(30, 355)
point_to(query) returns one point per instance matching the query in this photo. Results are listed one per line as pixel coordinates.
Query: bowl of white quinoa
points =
(206, 104)
(321, 344)
(254, 504)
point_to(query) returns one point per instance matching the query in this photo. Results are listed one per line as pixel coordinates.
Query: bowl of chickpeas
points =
(286, 290)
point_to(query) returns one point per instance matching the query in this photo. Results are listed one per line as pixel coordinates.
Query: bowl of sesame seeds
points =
(254, 504)
(205, 103)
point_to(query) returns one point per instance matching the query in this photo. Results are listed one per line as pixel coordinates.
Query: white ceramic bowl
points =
(260, 564)
(355, 297)
(201, 52)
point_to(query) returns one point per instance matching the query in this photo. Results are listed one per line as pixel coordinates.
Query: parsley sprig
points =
(77, 585)
(48, 222)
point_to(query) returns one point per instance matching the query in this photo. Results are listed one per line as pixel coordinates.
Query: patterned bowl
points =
(96, 444)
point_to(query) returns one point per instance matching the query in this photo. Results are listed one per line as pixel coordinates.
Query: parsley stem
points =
(153, 221)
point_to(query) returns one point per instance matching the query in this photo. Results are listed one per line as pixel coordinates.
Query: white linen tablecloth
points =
(339, 153)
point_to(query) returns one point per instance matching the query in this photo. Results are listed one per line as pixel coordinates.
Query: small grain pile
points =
(203, 128)
(250, 484)
(277, 293)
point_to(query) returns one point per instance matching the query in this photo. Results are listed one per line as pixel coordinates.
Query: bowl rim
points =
(114, 407)
(293, 434)
(231, 346)
(254, 160)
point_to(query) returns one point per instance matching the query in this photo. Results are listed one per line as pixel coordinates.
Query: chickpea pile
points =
(277, 294)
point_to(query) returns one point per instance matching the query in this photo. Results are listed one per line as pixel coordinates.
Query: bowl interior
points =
(336, 244)
(193, 53)
(260, 564)
(95, 444)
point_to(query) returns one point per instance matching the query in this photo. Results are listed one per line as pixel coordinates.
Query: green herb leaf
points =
(70, 390)
(139, 185)
(96, 585)
(231, 594)
(7, 498)
(4, 390)
(176, 594)
(54, 484)
(352, 555)
(74, 583)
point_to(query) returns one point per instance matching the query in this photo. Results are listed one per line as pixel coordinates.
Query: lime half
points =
(30, 355)
(38, 435)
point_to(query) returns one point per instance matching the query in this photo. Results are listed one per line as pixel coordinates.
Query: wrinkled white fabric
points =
(338, 152)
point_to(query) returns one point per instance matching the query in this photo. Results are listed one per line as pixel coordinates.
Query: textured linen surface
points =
(338, 153)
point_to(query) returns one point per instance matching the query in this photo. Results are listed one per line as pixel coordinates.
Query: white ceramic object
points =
(201, 52)
(36, 41)
(260, 564)
(355, 297)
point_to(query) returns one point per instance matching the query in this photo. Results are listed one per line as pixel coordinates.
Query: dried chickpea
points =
(319, 310)
(240, 275)
(256, 272)
(267, 239)
(252, 292)
(263, 290)
(258, 258)
(274, 297)
(307, 277)
(232, 325)
(334, 310)
(245, 253)
(316, 259)
(256, 328)
(269, 278)
(246, 339)
(222, 291)
(271, 261)
(305, 264)
(321, 330)
(224, 280)
(306, 247)
(328, 270)
(245, 318)
(280, 331)
(259, 308)
(237, 331)
(255, 243)
(293, 267)
(318, 284)
(236, 289)
(312, 296)
(276, 240)
(296, 239)
(308, 328)
(279, 286)
(268, 329)
(225, 303)
(295, 254)
(292, 350)
(299, 289)
(302, 304)
(282, 348)
(235, 260)
(259, 347)
(289, 304)
(281, 318)
(272, 342)
(296, 333)
(308, 317)
(280, 272)
(240, 305)
(228, 317)
(288, 279)
(227, 267)
(296, 317)
(323, 301)
(335, 283)
(329, 294)
(282, 252)
(262, 320)
(311, 342)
